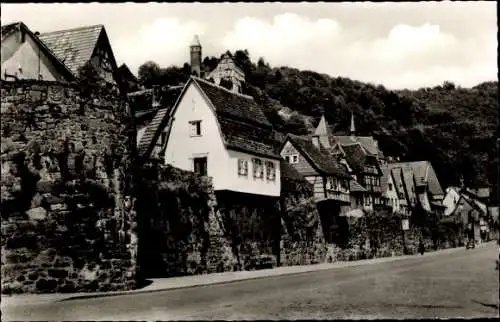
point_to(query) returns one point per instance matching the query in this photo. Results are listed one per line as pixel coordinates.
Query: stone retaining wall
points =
(66, 224)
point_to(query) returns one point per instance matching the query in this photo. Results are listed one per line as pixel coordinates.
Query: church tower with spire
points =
(195, 50)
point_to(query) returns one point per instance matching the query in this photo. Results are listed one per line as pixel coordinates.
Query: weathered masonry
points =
(67, 221)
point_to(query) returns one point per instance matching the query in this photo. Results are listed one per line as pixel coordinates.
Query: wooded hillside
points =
(453, 127)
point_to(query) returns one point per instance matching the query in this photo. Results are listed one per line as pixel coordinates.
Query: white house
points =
(390, 188)
(225, 135)
(450, 200)
(25, 56)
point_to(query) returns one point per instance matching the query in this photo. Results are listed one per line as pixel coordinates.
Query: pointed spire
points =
(323, 132)
(353, 128)
(196, 41)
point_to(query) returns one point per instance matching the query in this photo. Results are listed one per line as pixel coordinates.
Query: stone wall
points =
(66, 224)
(302, 240)
(180, 230)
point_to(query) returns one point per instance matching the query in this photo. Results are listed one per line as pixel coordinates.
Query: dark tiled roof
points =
(354, 186)
(424, 175)
(8, 29)
(398, 180)
(384, 180)
(357, 158)
(74, 47)
(148, 140)
(232, 104)
(240, 135)
(124, 71)
(368, 143)
(320, 158)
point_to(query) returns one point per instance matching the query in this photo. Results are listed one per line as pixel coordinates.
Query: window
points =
(287, 158)
(200, 166)
(195, 128)
(270, 171)
(390, 186)
(295, 158)
(258, 169)
(242, 167)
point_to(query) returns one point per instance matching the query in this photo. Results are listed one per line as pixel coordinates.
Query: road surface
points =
(461, 284)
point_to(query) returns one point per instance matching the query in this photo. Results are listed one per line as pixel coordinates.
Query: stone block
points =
(38, 213)
(58, 206)
(44, 186)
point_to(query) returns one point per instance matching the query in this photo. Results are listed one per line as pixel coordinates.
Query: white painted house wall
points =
(222, 164)
(28, 56)
(392, 195)
(450, 200)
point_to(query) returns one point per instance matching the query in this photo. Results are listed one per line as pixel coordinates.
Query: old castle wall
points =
(67, 221)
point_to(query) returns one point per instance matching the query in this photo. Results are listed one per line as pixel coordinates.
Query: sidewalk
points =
(163, 284)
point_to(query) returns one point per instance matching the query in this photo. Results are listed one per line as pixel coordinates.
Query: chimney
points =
(315, 141)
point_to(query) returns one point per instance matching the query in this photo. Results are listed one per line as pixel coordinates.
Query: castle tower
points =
(195, 50)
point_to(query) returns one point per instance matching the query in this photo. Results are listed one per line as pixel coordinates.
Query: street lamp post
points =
(405, 225)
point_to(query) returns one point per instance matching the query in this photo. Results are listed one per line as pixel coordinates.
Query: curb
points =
(235, 277)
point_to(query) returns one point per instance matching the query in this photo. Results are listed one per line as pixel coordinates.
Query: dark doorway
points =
(200, 166)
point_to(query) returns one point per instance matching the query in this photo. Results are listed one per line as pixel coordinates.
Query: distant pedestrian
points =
(421, 247)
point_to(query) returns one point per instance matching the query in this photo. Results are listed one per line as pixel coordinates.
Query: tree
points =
(149, 73)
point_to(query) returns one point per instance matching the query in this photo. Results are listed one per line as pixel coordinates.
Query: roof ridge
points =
(196, 78)
(72, 29)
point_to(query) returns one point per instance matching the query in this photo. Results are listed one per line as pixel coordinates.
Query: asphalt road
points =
(463, 284)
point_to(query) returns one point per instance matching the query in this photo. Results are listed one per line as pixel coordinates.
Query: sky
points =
(398, 45)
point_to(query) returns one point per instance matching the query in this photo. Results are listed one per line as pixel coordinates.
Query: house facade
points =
(25, 56)
(450, 200)
(390, 189)
(225, 135)
(425, 188)
(366, 172)
(78, 46)
(329, 178)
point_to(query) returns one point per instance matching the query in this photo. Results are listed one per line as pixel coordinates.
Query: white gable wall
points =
(450, 200)
(392, 194)
(222, 164)
(182, 147)
(28, 56)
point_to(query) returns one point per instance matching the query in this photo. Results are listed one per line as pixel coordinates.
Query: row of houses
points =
(220, 132)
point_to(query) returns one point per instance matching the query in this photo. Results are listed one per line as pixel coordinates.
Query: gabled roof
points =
(424, 175)
(10, 28)
(74, 47)
(319, 158)
(368, 143)
(13, 27)
(153, 130)
(409, 184)
(384, 179)
(354, 186)
(243, 125)
(397, 176)
(358, 159)
(126, 74)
